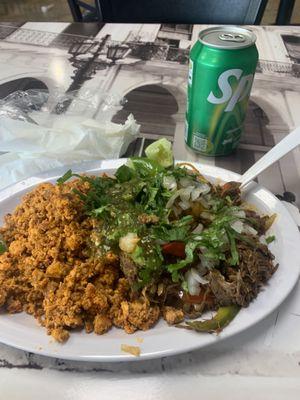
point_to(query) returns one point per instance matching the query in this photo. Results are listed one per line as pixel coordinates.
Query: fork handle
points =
(287, 144)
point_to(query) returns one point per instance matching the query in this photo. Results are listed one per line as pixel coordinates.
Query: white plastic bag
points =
(37, 136)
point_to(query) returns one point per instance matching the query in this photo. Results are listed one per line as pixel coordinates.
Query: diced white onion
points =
(239, 214)
(185, 182)
(198, 277)
(198, 229)
(172, 199)
(169, 182)
(237, 225)
(185, 194)
(194, 290)
(205, 188)
(188, 193)
(193, 285)
(249, 230)
(201, 189)
(206, 215)
(196, 193)
(185, 205)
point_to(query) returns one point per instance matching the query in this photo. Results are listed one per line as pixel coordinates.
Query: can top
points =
(227, 37)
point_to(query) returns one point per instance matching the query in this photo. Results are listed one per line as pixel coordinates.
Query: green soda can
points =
(221, 72)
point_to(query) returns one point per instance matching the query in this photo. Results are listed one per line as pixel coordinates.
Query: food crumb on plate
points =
(134, 350)
(139, 340)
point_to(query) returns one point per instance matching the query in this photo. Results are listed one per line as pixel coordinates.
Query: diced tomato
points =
(176, 249)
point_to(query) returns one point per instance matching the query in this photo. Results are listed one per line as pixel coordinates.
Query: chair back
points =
(183, 11)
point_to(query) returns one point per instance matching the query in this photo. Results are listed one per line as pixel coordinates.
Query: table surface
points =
(262, 363)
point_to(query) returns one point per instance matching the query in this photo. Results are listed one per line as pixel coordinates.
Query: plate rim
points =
(111, 164)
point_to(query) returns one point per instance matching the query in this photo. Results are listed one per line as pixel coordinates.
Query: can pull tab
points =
(230, 37)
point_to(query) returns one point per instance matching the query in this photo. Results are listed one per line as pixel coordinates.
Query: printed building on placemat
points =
(148, 65)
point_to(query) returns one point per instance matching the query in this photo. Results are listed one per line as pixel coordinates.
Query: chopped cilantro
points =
(234, 253)
(135, 200)
(65, 177)
(176, 230)
(270, 239)
(3, 247)
(124, 173)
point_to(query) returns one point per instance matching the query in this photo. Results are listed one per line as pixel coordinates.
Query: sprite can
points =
(221, 71)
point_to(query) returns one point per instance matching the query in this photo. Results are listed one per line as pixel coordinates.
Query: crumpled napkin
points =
(31, 149)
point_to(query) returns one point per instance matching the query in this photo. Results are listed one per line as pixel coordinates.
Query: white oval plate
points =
(22, 331)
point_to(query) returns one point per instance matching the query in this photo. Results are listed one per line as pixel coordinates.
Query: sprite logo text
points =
(228, 95)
